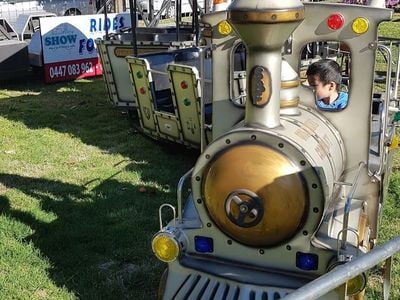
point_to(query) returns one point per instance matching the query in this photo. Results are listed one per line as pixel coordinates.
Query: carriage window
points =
(325, 68)
(238, 75)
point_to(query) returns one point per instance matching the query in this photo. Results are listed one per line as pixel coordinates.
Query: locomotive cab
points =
(288, 192)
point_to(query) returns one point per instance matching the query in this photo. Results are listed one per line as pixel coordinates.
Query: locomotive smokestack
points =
(264, 26)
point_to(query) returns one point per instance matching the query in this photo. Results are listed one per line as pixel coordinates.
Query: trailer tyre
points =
(73, 12)
(171, 10)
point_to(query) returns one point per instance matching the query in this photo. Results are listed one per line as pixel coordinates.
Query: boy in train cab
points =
(324, 77)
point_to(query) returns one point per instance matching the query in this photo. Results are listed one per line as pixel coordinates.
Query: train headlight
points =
(360, 25)
(165, 246)
(357, 284)
(224, 27)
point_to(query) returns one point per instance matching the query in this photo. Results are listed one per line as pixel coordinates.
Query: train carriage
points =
(285, 194)
(114, 50)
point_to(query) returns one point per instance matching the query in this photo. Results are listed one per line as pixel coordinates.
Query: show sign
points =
(69, 50)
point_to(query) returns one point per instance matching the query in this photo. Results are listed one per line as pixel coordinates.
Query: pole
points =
(105, 18)
(151, 10)
(133, 14)
(195, 21)
(178, 4)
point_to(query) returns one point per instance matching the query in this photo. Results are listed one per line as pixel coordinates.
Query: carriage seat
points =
(162, 99)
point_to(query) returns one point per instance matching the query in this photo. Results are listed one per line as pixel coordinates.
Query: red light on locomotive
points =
(335, 21)
(142, 90)
(184, 85)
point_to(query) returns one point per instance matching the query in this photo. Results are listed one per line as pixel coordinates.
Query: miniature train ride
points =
(284, 195)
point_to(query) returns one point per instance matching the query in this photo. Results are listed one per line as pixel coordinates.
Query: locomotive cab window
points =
(325, 69)
(238, 75)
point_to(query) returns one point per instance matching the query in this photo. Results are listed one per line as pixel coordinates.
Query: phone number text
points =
(68, 70)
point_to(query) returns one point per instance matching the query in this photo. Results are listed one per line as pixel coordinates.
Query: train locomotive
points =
(285, 192)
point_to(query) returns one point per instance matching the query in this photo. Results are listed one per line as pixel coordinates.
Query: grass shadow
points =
(81, 108)
(96, 234)
(92, 239)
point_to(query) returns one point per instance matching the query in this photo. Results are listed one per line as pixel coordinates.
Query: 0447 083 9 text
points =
(75, 69)
(70, 70)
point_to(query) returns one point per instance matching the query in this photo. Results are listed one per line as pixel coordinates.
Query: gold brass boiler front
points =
(255, 194)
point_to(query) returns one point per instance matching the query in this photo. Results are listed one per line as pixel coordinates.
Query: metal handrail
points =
(393, 42)
(158, 72)
(179, 192)
(338, 256)
(384, 120)
(203, 52)
(396, 82)
(160, 214)
(347, 206)
(157, 17)
(343, 273)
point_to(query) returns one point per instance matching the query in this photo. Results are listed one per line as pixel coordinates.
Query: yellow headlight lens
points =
(165, 247)
(224, 27)
(360, 25)
(357, 284)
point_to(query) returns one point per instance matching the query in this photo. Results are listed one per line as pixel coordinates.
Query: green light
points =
(139, 74)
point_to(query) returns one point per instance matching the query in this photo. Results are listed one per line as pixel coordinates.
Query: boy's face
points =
(322, 91)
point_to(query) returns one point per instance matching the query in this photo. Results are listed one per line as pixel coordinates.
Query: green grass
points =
(79, 195)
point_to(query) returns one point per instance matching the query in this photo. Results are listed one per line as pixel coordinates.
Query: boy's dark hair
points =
(327, 70)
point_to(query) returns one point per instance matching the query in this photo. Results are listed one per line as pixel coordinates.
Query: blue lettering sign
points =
(60, 40)
(86, 45)
(121, 22)
(96, 24)
(92, 25)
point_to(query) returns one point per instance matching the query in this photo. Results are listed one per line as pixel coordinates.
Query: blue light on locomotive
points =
(203, 244)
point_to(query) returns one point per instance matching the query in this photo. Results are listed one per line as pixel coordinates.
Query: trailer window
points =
(238, 75)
